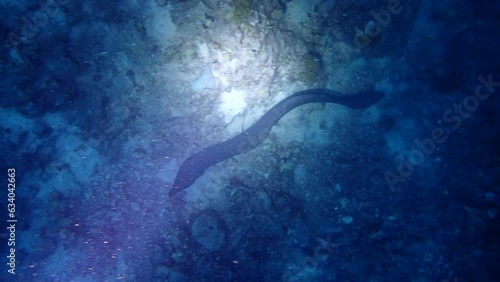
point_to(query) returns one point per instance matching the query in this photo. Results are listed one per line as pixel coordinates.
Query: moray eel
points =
(195, 166)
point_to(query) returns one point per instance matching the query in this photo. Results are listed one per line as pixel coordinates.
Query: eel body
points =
(194, 167)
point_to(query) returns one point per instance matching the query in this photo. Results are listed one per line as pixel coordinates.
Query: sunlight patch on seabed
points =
(232, 103)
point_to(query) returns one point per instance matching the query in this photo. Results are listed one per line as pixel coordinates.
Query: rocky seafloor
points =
(101, 102)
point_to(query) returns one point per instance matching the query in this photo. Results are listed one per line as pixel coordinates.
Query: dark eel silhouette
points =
(195, 166)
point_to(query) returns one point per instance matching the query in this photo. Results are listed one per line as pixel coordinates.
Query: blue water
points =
(100, 103)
